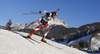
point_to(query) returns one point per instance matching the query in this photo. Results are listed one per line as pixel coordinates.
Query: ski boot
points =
(43, 39)
(28, 36)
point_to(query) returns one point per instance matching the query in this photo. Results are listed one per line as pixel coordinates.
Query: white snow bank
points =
(86, 38)
(13, 43)
(95, 44)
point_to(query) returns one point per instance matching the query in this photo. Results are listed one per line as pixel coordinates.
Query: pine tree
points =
(9, 23)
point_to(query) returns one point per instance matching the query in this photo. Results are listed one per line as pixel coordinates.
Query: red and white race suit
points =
(45, 21)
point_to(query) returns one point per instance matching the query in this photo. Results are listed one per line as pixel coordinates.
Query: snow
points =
(98, 34)
(86, 38)
(95, 43)
(64, 42)
(14, 43)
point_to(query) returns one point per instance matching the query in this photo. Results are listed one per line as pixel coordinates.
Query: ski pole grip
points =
(40, 12)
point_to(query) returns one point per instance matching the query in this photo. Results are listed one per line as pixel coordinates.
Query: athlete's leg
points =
(45, 34)
(38, 28)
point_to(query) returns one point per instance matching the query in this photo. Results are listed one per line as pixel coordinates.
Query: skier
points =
(45, 21)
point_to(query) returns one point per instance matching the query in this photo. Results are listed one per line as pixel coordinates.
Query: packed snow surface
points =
(14, 43)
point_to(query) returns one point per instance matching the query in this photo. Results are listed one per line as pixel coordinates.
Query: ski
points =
(35, 40)
(51, 45)
(29, 39)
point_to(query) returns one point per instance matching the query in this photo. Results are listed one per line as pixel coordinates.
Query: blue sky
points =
(74, 12)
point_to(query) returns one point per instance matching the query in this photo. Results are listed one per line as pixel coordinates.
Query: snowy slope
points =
(86, 38)
(95, 42)
(13, 43)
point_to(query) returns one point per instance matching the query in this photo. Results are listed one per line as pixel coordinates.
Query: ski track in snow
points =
(13, 43)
